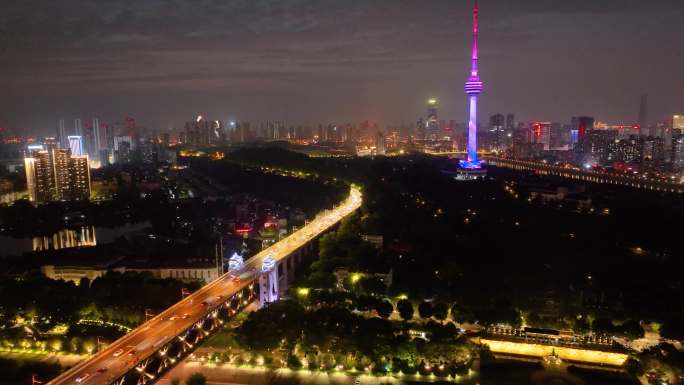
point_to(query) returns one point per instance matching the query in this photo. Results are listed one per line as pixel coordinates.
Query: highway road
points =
(123, 354)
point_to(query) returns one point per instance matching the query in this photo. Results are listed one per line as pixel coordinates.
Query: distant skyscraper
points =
(420, 129)
(473, 88)
(581, 125)
(78, 128)
(496, 122)
(496, 130)
(76, 145)
(61, 134)
(677, 151)
(431, 124)
(96, 137)
(510, 122)
(643, 114)
(203, 132)
(380, 144)
(541, 133)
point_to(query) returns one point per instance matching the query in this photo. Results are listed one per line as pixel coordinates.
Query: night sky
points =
(310, 61)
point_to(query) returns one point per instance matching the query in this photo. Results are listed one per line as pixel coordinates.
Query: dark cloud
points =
(346, 60)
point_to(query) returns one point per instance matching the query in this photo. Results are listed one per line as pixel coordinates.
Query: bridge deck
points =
(125, 353)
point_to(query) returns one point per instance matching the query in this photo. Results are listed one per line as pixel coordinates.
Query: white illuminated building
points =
(268, 281)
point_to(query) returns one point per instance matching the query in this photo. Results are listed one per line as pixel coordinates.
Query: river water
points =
(82, 236)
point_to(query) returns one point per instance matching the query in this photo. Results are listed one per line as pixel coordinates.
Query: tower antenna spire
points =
(473, 67)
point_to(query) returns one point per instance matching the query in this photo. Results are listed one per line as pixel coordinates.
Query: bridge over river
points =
(142, 355)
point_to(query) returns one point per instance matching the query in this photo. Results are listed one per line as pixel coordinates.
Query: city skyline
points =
(306, 62)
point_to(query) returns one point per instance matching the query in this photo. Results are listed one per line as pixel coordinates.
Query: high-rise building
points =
(643, 114)
(580, 126)
(56, 174)
(78, 128)
(473, 88)
(79, 179)
(204, 132)
(541, 133)
(497, 131)
(76, 145)
(420, 129)
(677, 151)
(123, 145)
(431, 123)
(510, 122)
(653, 152)
(61, 158)
(600, 147)
(97, 143)
(678, 122)
(40, 178)
(380, 144)
(630, 150)
(62, 134)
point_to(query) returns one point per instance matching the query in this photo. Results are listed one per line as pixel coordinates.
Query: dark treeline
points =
(311, 194)
(18, 372)
(478, 245)
(333, 335)
(115, 297)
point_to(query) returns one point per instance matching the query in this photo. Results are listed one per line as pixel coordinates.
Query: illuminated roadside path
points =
(142, 342)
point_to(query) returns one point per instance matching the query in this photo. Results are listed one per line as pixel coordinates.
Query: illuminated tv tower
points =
(473, 88)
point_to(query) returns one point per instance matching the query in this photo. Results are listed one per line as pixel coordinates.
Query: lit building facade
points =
(56, 174)
(76, 145)
(40, 177)
(678, 122)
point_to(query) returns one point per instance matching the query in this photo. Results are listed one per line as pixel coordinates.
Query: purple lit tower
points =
(473, 88)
